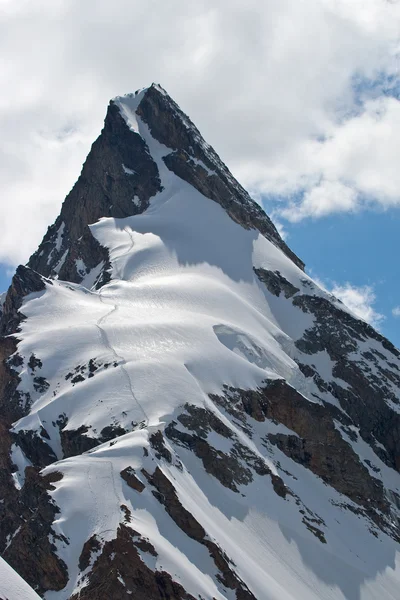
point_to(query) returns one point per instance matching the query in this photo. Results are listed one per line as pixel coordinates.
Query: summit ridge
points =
(108, 184)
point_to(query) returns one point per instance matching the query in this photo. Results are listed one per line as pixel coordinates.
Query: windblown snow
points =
(183, 316)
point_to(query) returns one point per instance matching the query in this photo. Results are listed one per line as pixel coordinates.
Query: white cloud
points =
(321, 200)
(281, 229)
(353, 168)
(263, 81)
(396, 311)
(360, 300)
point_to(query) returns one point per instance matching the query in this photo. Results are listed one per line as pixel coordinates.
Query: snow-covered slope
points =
(209, 423)
(12, 587)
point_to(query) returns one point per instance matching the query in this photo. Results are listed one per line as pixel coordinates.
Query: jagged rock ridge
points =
(119, 169)
(183, 412)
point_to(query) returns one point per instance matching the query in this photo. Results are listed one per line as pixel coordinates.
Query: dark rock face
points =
(75, 441)
(41, 568)
(87, 249)
(10, 400)
(132, 480)
(276, 283)
(90, 547)
(26, 515)
(24, 282)
(35, 448)
(104, 189)
(350, 331)
(10, 516)
(231, 470)
(365, 383)
(13, 404)
(111, 432)
(316, 442)
(127, 575)
(371, 376)
(157, 442)
(34, 363)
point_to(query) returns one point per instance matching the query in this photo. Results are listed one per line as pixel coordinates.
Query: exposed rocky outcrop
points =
(75, 441)
(166, 495)
(10, 516)
(120, 572)
(35, 448)
(9, 397)
(157, 442)
(83, 255)
(365, 383)
(371, 377)
(30, 551)
(276, 283)
(231, 469)
(117, 170)
(111, 432)
(90, 547)
(132, 480)
(24, 282)
(316, 442)
(13, 403)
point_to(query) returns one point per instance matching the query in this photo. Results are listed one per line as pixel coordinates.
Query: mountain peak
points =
(195, 161)
(184, 413)
(121, 176)
(153, 88)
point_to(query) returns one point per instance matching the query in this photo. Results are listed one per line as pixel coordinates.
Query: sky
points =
(301, 99)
